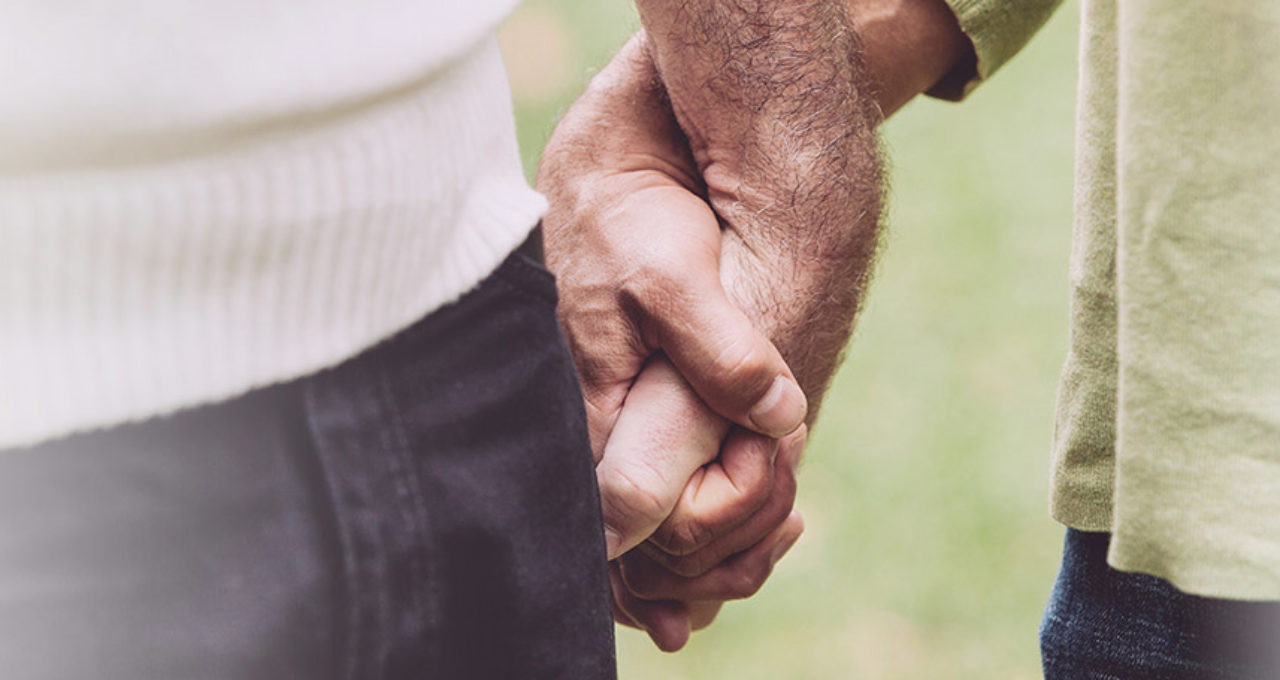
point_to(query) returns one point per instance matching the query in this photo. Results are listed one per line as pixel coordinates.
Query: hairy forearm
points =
(775, 100)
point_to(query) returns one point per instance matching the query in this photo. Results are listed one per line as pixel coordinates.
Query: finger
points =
(754, 529)
(620, 597)
(737, 578)
(728, 492)
(734, 368)
(622, 618)
(607, 359)
(667, 623)
(701, 614)
(663, 436)
(602, 415)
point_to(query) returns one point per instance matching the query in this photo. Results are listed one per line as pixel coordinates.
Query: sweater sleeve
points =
(998, 29)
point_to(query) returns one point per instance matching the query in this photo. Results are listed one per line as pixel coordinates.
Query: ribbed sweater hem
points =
(130, 292)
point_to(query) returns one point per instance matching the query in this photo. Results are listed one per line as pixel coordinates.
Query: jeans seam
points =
(346, 598)
(422, 566)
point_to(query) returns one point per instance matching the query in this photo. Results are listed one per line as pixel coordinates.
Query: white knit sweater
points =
(197, 199)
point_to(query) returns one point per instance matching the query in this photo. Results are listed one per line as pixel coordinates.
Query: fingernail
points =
(781, 410)
(611, 542)
(793, 447)
(782, 549)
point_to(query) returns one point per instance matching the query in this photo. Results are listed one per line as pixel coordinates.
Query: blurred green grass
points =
(929, 551)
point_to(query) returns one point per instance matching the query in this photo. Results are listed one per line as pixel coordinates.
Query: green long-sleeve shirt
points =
(1168, 423)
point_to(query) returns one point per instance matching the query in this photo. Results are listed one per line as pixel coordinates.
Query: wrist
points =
(623, 124)
(910, 46)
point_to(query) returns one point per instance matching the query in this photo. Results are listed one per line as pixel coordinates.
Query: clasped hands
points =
(696, 422)
(715, 199)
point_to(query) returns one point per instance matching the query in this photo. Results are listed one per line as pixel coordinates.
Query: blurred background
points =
(929, 551)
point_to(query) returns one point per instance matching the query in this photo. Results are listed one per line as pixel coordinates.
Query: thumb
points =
(734, 368)
(663, 436)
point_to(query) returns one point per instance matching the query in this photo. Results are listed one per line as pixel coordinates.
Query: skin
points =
(715, 196)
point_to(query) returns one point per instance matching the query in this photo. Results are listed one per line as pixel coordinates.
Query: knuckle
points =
(632, 497)
(750, 495)
(692, 566)
(746, 580)
(742, 363)
(643, 583)
(656, 283)
(682, 537)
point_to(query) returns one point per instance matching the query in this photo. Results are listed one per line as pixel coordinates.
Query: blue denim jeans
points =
(427, 509)
(1103, 624)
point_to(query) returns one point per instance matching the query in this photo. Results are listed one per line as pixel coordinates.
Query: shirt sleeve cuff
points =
(998, 29)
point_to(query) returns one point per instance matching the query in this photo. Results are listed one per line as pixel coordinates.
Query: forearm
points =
(907, 46)
(776, 102)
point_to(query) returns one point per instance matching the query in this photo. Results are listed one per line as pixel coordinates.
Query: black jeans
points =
(427, 509)
(1104, 624)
